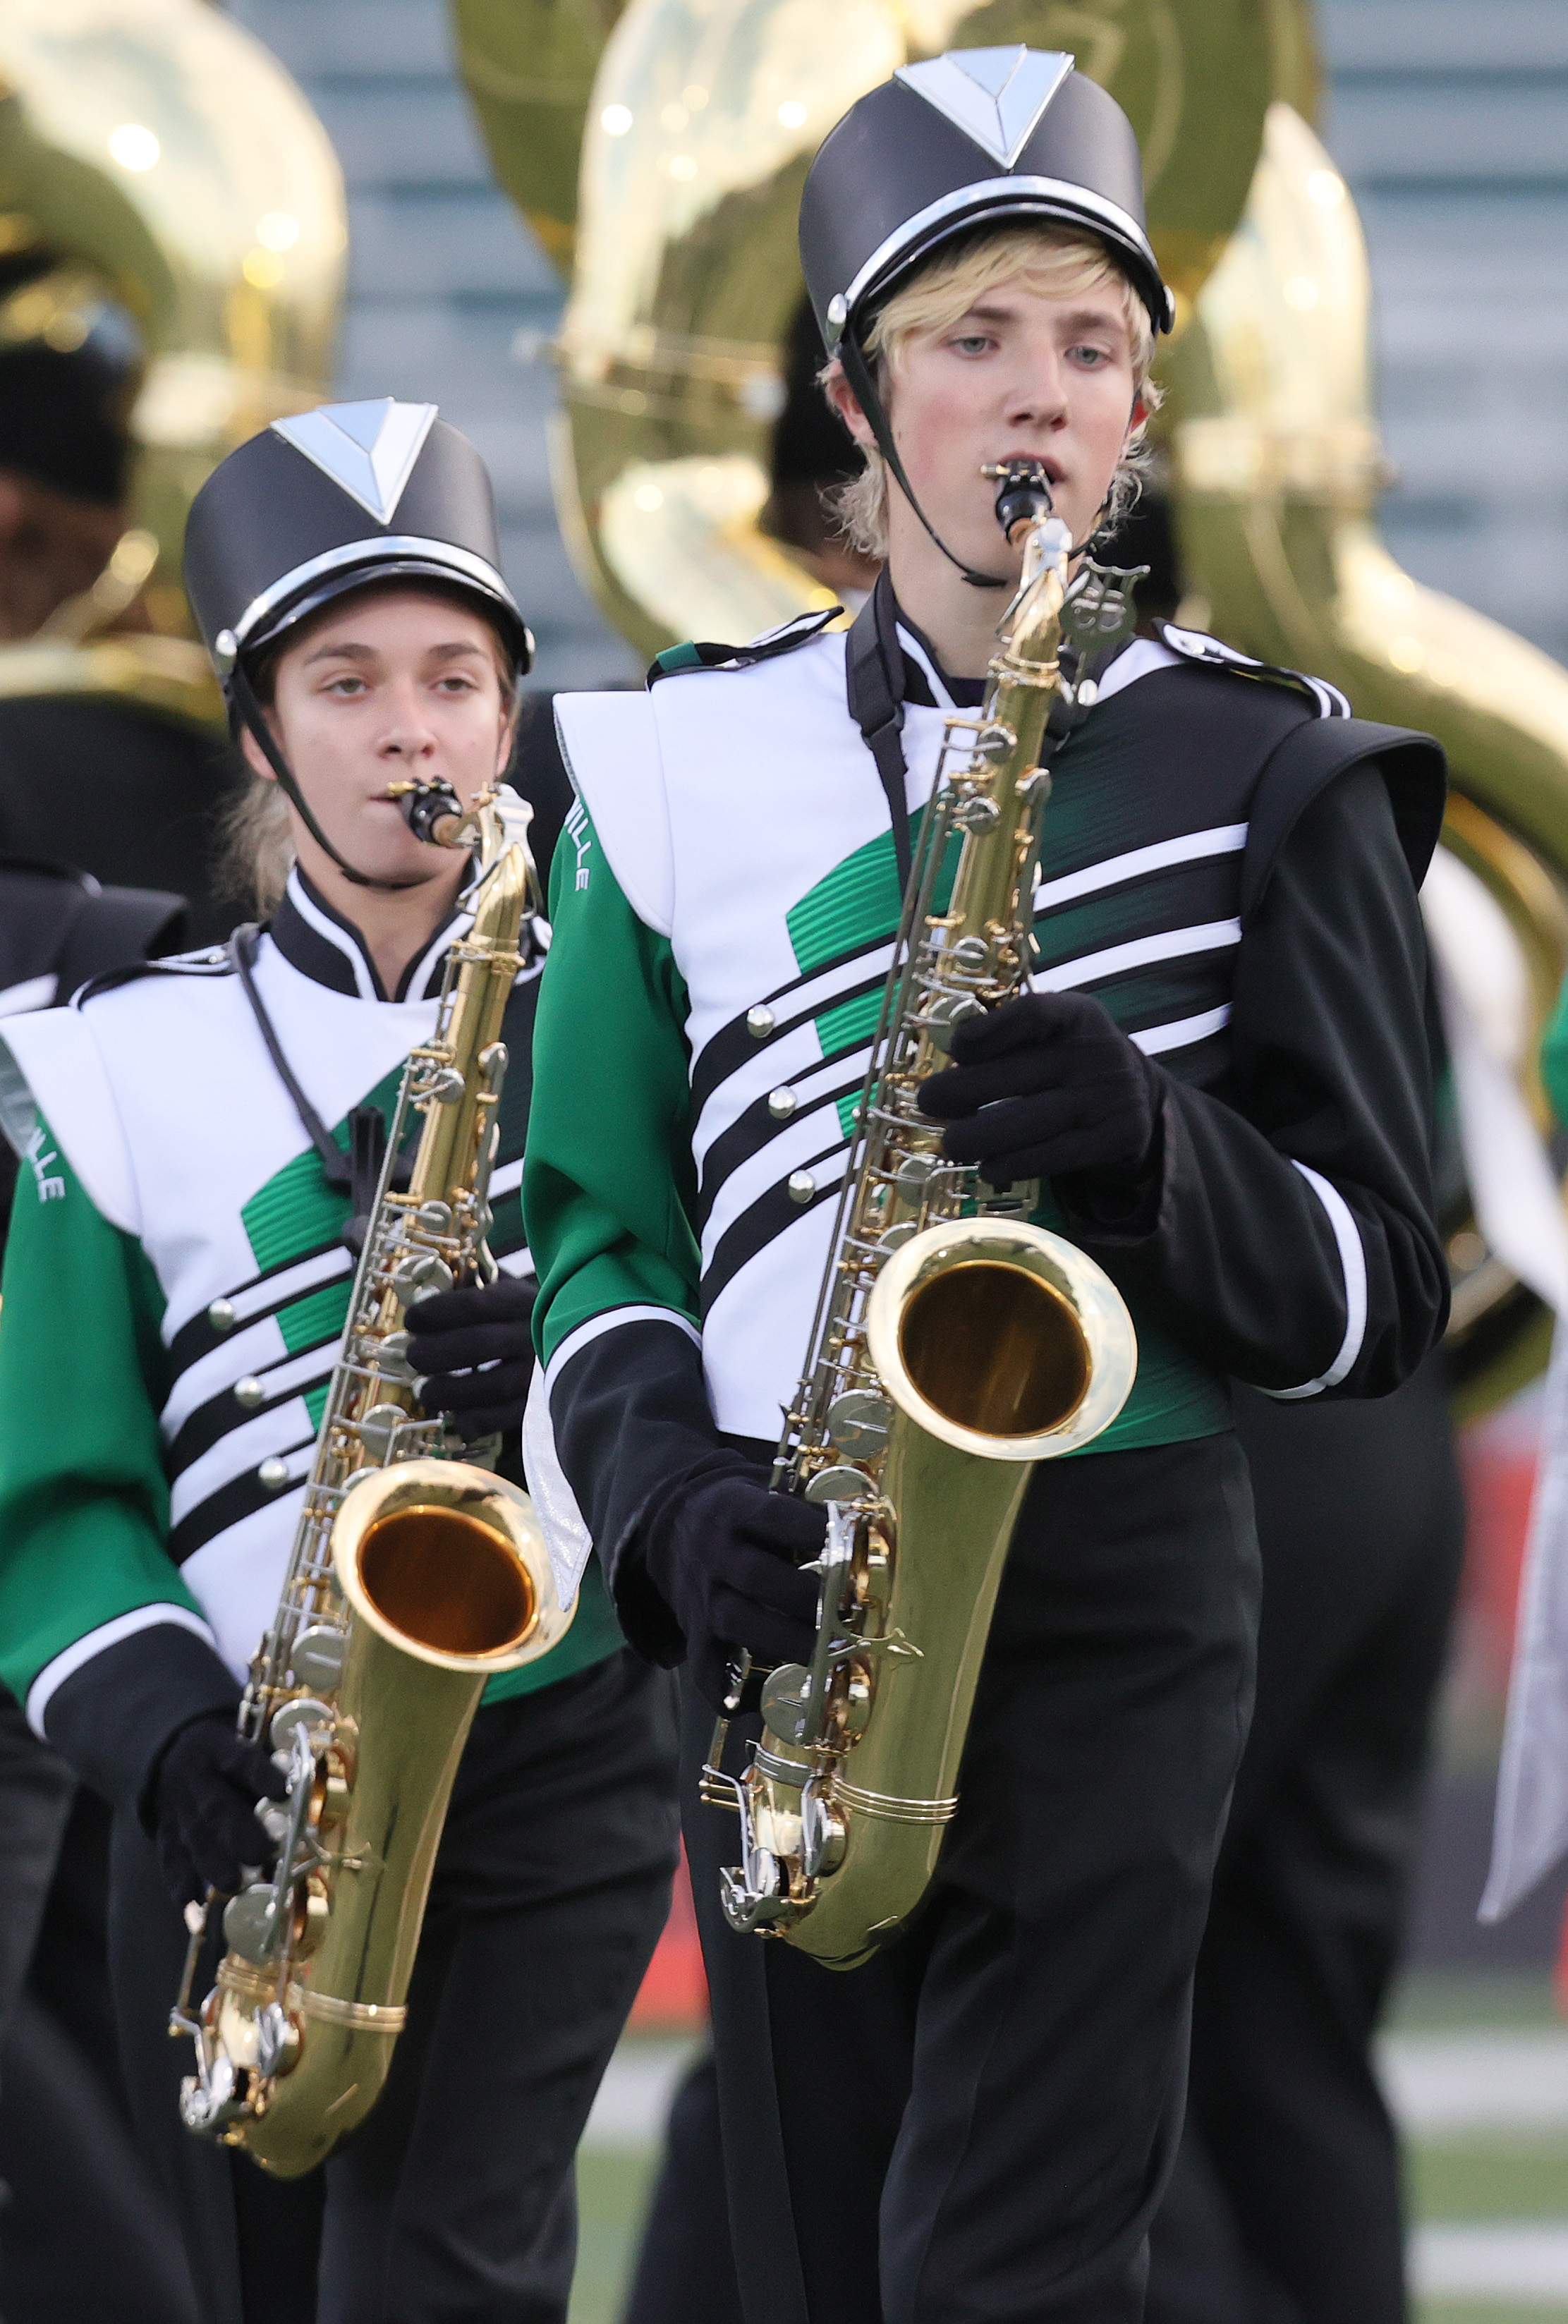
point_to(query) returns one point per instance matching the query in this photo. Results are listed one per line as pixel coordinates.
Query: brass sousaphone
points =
(158, 157)
(679, 236)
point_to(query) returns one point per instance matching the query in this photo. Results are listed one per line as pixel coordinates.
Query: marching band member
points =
(198, 1143)
(1223, 1074)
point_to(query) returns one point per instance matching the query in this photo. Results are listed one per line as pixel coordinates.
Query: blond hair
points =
(256, 847)
(1051, 261)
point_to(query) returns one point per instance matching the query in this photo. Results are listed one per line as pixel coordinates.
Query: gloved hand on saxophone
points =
(1045, 1087)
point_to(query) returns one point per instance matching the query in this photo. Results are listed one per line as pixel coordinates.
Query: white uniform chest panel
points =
(207, 1120)
(765, 752)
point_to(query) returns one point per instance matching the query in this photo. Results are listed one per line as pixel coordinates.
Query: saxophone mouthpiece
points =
(1024, 496)
(433, 811)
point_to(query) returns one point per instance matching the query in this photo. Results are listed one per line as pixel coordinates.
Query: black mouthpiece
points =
(1023, 496)
(429, 805)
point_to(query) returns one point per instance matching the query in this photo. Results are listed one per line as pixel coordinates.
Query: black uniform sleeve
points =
(1294, 1243)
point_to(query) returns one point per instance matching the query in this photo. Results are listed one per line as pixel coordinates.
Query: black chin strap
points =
(244, 700)
(857, 370)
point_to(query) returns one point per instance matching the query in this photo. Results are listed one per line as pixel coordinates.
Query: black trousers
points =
(976, 2126)
(65, 2126)
(1286, 2200)
(453, 2204)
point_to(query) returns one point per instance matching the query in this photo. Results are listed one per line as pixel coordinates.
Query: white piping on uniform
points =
(1175, 943)
(1354, 1261)
(1182, 1032)
(1191, 847)
(71, 1658)
(331, 933)
(610, 1321)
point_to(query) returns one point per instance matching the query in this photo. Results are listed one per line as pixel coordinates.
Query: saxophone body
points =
(955, 1343)
(413, 1578)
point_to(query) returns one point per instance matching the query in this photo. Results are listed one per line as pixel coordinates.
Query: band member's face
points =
(394, 684)
(1019, 375)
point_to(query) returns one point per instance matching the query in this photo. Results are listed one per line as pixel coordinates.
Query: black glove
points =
(1047, 1087)
(724, 1555)
(203, 1805)
(474, 1350)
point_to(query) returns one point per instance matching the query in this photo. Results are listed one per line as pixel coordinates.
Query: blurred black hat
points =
(71, 367)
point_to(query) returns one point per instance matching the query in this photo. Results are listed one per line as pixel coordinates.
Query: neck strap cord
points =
(357, 1173)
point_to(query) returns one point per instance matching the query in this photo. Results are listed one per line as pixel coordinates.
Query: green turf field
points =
(1488, 2197)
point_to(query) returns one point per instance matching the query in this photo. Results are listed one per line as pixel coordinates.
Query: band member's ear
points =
(843, 401)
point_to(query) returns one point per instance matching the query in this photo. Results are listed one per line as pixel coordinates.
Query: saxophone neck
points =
(1031, 628)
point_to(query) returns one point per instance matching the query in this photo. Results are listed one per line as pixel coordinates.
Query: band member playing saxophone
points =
(1217, 1072)
(202, 1149)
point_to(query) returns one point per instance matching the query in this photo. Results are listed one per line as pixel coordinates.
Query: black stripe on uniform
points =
(755, 1130)
(208, 1424)
(732, 1045)
(196, 1337)
(757, 1226)
(240, 1497)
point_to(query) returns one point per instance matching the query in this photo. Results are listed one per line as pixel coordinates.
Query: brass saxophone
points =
(955, 1344)
(413, 1578)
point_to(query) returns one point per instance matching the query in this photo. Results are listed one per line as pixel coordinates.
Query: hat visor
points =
(361, 565)
(993, 199)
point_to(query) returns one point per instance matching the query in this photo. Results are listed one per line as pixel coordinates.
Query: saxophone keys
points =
(418, 1275)
(840, 1483)
(945, 1013)
(824, 1833)
(247, 1922)
(318, 1658)
(859, 1421)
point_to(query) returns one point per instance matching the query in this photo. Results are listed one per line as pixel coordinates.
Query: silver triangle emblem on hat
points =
(368, 449)
(995, 96)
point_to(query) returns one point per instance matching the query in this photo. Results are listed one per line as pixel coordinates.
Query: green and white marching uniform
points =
(724, 920)
(175, 1290)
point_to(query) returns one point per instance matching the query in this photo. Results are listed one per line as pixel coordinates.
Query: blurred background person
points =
(133, 343)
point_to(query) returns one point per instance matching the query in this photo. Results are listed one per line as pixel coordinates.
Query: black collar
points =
(323, 945)
(962, 693)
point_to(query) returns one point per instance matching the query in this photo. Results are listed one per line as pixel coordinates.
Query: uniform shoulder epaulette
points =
(1195, 645)
(676, 661)
(213, 961)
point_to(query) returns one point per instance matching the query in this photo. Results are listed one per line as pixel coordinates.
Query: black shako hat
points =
(323, 502)
(969, 139)
(327, 501)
